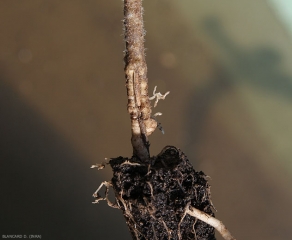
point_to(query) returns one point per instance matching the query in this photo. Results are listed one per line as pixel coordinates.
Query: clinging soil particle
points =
(154, 195)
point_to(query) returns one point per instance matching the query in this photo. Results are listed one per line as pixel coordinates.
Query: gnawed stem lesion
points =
(139, 106)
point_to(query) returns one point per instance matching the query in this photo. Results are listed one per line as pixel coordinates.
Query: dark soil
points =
(154, 195)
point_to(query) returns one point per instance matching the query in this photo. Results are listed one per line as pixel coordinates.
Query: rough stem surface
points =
(136, 79)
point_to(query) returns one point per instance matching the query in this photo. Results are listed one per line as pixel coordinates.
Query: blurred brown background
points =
(63, 108)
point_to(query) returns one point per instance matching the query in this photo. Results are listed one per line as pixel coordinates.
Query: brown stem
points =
(137, 83)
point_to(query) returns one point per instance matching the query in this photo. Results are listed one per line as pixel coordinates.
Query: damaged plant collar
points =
(161, 197)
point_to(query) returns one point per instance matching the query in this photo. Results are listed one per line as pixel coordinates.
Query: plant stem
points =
(137, 83)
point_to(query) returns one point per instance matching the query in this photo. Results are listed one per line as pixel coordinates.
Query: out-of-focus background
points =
(63, 103)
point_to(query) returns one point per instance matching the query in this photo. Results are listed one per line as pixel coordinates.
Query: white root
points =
(99, 166)
(127, 162)
(99, 198)
(158, 123)
(218, 225)
(158, 96)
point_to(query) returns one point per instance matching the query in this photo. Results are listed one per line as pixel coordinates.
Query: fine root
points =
(158, 96)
